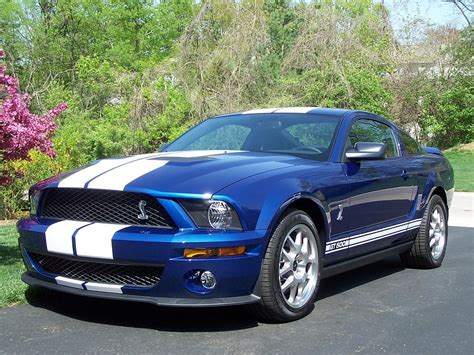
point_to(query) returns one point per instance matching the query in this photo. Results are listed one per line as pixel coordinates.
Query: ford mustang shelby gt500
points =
(246, 208)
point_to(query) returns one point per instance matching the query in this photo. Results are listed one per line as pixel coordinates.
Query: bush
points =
(24, 173)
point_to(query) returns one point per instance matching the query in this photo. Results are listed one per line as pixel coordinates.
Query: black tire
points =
(272, 306)
(420, 255)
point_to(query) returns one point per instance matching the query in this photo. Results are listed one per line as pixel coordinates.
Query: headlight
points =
(212, 214)
(34, 197)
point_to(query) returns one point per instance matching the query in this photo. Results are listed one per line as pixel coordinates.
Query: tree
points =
(22, 130)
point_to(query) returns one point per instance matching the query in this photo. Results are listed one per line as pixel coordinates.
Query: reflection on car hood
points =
(188, 172)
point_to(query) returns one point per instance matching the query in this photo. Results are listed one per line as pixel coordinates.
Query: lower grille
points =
(118, 274)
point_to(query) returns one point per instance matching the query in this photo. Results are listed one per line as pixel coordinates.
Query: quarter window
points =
(411, 146)
(372, 131)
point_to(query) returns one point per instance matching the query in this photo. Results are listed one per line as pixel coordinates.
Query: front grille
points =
(104, 206)
(118, 274)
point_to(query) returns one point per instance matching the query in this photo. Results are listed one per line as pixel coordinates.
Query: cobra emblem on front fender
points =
(339, 215)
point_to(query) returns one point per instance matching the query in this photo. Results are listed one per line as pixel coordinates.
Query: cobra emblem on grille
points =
(141, 206)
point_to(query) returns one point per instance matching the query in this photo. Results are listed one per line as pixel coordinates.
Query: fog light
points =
(208, 280)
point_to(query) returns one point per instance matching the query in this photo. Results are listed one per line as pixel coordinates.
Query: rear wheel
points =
(290, 270)
(429, 247)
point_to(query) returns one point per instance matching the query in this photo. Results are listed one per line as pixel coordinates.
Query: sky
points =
(434, 12)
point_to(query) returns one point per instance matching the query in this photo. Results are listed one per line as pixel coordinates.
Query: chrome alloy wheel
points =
(298, 266)
(437, 232)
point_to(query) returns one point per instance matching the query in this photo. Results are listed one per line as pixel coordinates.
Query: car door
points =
(381, 190)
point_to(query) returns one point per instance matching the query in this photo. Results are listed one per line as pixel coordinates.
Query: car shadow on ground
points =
(142, 315)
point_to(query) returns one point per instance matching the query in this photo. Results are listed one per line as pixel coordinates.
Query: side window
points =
(411, 146)
(230, 137)
(372, 131)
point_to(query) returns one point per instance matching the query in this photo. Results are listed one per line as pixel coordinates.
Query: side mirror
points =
(366, 151)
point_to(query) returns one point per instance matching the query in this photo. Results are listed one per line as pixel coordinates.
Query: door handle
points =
(405, 175)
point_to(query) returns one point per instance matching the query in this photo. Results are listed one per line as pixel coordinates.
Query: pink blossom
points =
(21, 130)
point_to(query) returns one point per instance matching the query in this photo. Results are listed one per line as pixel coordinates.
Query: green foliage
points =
(448, 115)
(448, 101)
(24, 173)
(11, 267)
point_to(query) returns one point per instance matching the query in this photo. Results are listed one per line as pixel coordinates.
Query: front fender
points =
(262, 199)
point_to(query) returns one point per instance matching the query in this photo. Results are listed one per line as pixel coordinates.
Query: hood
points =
(186, 172)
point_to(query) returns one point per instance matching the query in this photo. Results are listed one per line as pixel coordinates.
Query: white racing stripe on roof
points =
(65, 281)
(295, 109)
(95, 286)
(95, 240)
(80, 178)
(59, 236)
(260, 110)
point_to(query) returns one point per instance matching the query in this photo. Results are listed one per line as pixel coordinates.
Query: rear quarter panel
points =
(433, 171)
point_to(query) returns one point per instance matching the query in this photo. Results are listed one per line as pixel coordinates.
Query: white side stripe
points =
(80, 178)
(369, 233)
(368, 237)
(375, 235)
(118, 178)
(414, 224)
(60, 280)
(94, 286)
(59, 236)
(95, 240)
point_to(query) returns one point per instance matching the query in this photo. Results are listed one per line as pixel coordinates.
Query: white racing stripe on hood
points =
(94, 286)
(65, 281)
(196, 153)
(120, 177)
(59, 236)
(80, 178)
(95, 240)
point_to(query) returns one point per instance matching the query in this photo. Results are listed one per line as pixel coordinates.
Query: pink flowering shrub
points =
(21, 130)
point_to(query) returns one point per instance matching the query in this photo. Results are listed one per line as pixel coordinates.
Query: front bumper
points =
(159, 301)
(237, 276)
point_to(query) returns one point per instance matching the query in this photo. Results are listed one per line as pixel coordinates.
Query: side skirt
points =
(364, 260)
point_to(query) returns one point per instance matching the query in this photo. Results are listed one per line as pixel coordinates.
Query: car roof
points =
(303, 110)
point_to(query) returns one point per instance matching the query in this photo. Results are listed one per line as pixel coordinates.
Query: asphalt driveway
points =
(378, 308)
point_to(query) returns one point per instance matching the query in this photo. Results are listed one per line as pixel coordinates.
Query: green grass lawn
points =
(12, 289)
(463, 165)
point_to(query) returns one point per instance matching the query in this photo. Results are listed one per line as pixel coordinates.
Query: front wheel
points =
(290, 269)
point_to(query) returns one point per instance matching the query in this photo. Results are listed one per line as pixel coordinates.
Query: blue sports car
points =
(246, 208)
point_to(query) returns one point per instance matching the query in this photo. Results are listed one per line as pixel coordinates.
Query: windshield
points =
(305, 135)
